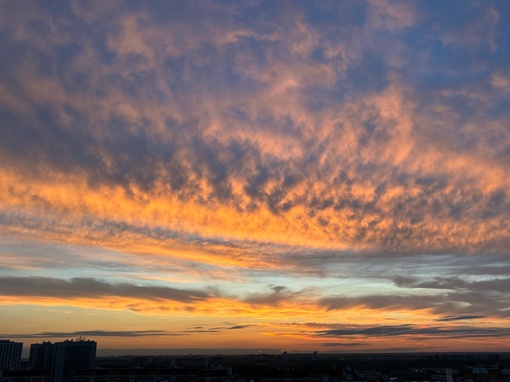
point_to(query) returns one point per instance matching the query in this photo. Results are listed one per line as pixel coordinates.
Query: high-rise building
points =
(41, 356)
(63, 359)
(10, 354)
(71, 356)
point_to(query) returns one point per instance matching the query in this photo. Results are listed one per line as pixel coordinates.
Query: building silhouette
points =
(63, 359)
(10, 354)
(24, 376)
(41, 356)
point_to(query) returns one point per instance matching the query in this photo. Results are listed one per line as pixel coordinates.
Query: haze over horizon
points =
(294, 175)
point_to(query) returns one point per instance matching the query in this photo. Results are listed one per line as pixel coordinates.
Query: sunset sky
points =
(256, 175)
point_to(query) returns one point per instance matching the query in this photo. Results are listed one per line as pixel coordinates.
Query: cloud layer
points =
(258, 159)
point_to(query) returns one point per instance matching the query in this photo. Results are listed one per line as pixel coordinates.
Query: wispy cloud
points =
(84, 287)
(411, 330)
(93, 334)
(458, 318)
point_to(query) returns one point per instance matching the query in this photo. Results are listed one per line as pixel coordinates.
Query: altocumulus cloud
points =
(241, 115)
(185, 157)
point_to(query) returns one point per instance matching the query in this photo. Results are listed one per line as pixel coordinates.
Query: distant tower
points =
(10, 355)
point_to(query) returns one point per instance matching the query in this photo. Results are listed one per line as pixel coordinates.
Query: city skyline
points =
(290, 175)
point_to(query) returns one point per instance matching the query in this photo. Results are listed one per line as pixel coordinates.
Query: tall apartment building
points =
(63, 359)
(41, 356)
(10, 354)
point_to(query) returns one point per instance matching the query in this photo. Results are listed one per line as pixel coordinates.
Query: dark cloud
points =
(360, 333)
(202, 331)
(278, 295)
(94, 333)
(343, 344)
(87, 287)
(382, 302)
(459, 303)
(501, 285)
(413, 330)
(458, 318)
(217, 329)
(236, 327)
